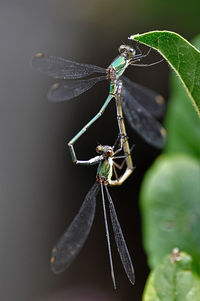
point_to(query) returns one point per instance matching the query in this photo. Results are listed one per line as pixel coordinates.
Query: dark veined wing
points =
(120, 241)
(71, 242)
(57, 67)
(150, 100)
(69, 89)
(142, 121)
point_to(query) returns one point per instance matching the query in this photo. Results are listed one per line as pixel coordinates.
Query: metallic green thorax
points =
(119, 65)
(105, 169)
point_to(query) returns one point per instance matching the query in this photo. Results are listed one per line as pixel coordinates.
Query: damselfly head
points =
(105, 150)
(127, 51)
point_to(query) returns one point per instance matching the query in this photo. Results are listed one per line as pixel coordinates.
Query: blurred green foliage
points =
(173, 280)
(170, 194)
(170, 205)
(182, 122)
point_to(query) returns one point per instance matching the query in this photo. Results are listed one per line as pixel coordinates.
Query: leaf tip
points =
(132, 37)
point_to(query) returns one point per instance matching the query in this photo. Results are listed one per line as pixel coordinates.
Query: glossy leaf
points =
(173, 279)
(182, 56)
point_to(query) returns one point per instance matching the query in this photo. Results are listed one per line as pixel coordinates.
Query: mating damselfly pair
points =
(141, 107)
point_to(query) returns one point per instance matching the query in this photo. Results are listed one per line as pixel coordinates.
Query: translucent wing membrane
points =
(69, 89)
(142, 121)
(71, 242)
(120, 241)
(150, 100)
(57, 67)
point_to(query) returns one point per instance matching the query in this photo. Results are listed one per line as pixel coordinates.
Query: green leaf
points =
(173, 280)
(170, 206)
(182, 56)
(182, 122)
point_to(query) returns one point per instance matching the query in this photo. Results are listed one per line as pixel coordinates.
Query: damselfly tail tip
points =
(113, 280)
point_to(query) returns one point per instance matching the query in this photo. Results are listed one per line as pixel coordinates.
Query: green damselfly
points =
(71, 242)
(141, 106)
(122, 137)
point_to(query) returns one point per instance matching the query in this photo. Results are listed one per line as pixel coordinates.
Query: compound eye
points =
(133, 51)
(121, 48)
(99, 149)
(109, 153)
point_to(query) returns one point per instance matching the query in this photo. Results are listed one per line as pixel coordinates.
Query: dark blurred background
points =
(41, 190)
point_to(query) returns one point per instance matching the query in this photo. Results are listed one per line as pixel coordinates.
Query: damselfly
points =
(73, 239)
(140, 105)
(122, 138)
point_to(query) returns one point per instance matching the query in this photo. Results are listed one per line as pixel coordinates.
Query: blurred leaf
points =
(182, 56)
(182, 122)
(170, 206)
(173, 280)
